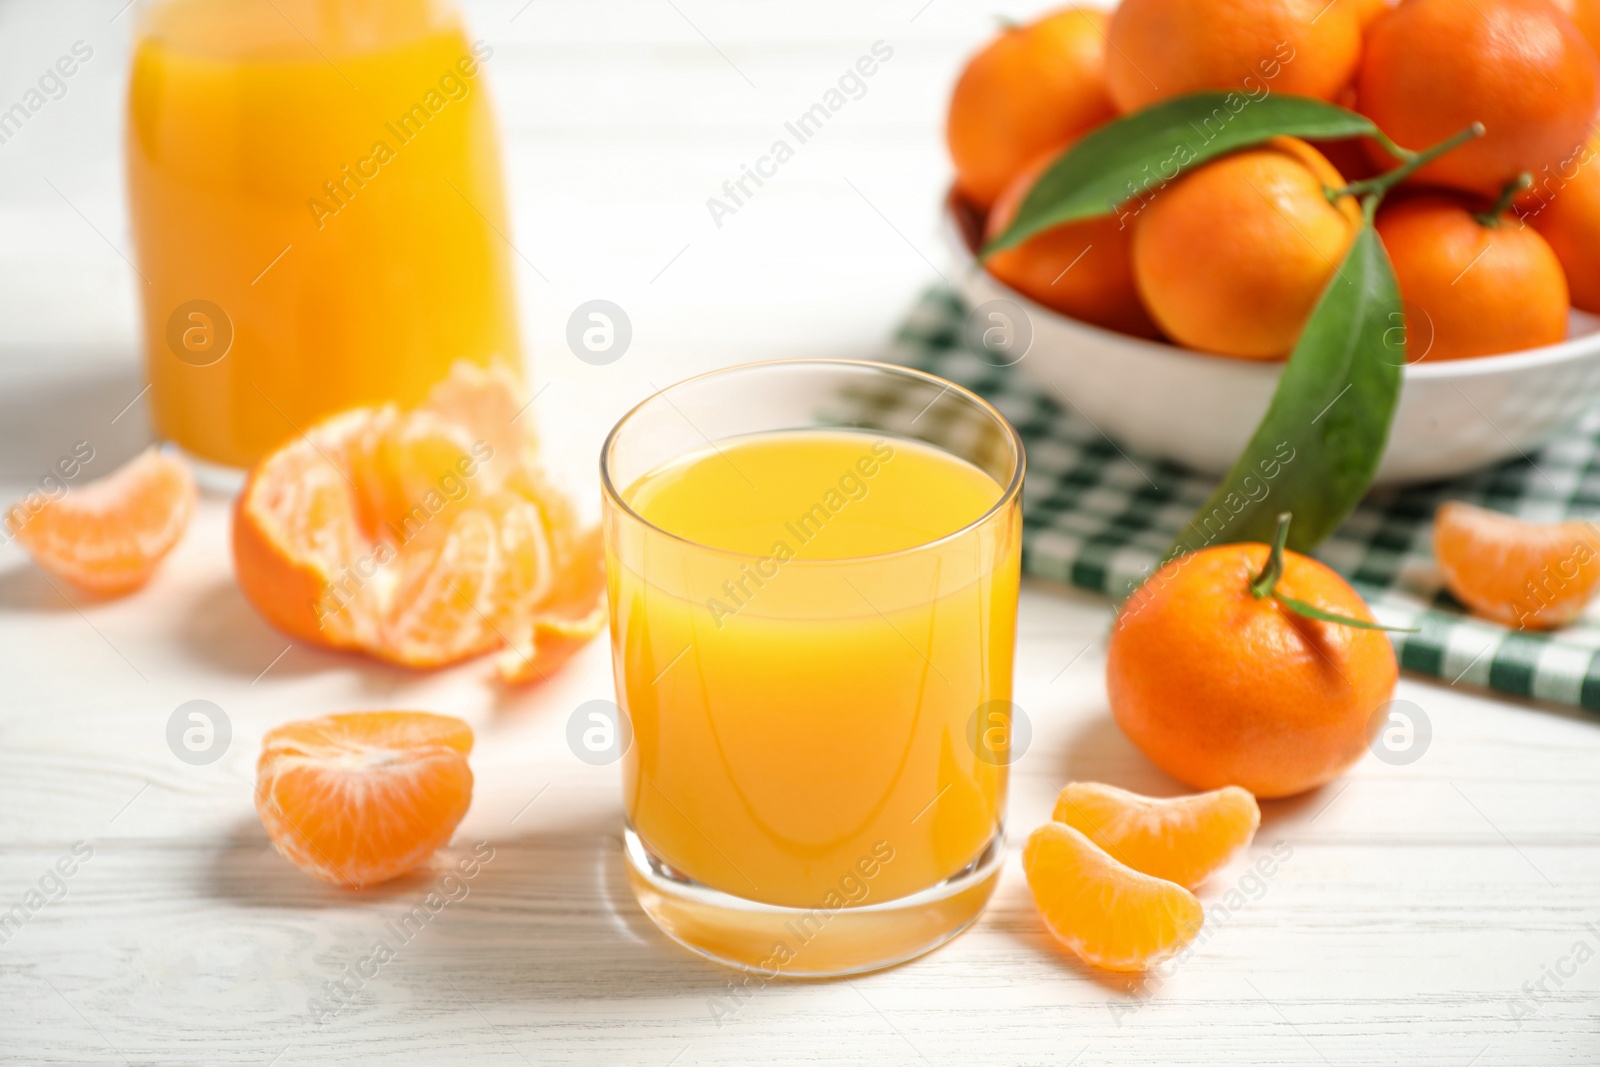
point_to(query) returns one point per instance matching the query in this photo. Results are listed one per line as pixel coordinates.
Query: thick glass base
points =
(808, 943)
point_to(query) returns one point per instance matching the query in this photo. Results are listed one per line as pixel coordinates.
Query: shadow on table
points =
(1098, 751)
(40, 422)
(222, 631)
(25, 588)
(548, 915)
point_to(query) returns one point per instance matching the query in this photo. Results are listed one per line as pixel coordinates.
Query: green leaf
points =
(1311, 611)
(1132, 158)
(1318, 446)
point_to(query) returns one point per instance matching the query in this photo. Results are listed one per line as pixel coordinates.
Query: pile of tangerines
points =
(1491, 242)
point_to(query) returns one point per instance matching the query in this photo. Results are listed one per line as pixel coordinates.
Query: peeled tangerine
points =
(364, 797)
(109, 536)
(1181, 839)
(1107, 913)
(422, 537)
(1529, 575)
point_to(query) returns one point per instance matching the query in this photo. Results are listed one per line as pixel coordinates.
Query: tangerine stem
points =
(1387, 180)
(1264, 583)
(1404, 155)
(1491, 218)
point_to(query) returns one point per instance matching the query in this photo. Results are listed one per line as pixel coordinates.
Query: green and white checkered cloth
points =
(1100, 518)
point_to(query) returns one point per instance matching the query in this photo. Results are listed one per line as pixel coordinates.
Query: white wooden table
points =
(1420, 911)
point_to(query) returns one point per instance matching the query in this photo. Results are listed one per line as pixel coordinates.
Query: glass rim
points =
(1009, 492)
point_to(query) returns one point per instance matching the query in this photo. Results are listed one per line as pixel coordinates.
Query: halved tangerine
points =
(363, 797)
(1107, 913)
(423, 537)
(109, 536)
(1524, 574)
(1181, 839)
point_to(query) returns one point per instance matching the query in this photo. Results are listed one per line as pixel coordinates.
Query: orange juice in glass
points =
(813, 571)
(316, 199)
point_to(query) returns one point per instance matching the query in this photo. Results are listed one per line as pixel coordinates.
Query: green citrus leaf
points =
(1311, 611)
(1129, 160)
(1318, 446)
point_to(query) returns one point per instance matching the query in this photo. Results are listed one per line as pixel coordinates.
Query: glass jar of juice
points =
(316, 197)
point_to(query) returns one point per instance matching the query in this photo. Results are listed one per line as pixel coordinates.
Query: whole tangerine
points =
(1565, 210)
(1158, 49)
(1431, 68)
(1233, 256)
(1585, 14)
(1082, 269)
(1472, 286)
(1030, 90)
(1219, 686)
(1368, 12)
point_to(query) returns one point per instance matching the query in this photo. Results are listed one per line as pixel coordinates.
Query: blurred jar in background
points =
(316, 196)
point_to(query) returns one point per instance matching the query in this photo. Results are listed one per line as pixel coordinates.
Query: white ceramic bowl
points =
(1199, 410)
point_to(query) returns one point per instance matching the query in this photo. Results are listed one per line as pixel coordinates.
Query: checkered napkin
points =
(1100, 518)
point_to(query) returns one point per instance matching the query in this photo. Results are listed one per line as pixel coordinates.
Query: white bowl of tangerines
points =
(1381, 223)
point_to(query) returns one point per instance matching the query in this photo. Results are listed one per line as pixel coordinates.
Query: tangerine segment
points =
(363, 797)
(109, 536)
(1107, 913)
(1525, 574)
(566, 620)
(439, 613)
(298, 520)
(1181, 839)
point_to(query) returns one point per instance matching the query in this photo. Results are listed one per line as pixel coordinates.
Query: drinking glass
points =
(817, 774)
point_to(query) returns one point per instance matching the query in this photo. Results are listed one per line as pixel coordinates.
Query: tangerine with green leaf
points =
(1227, 667)
(1232, 256)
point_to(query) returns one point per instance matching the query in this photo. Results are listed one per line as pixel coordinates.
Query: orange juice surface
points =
(803, 666)
(316, 197)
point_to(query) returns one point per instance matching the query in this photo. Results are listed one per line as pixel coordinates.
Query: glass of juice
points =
(316, 199)
(813, 570)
